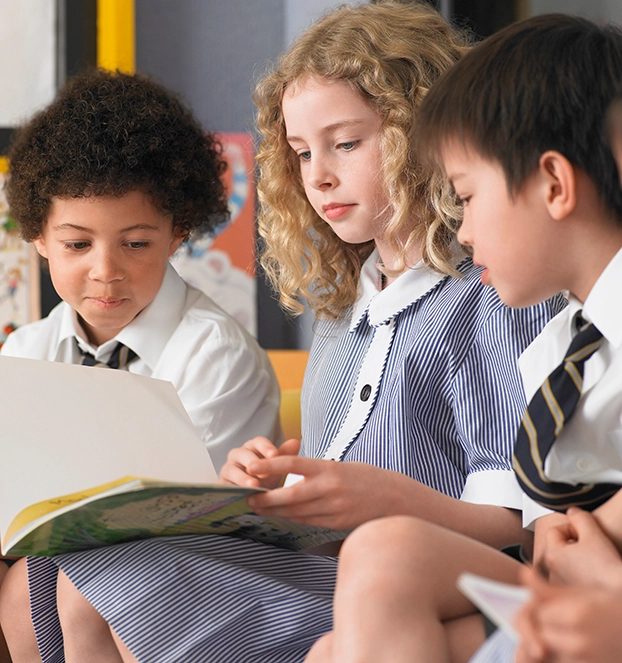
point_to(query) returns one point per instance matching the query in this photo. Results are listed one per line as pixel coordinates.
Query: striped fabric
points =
(448, 404)
(451, 397)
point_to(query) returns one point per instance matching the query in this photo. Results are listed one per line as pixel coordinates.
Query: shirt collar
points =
(600, 309)
(150, 330)
(382, 305)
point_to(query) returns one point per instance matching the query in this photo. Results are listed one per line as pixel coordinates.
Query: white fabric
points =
(223, 378)
(589, 448)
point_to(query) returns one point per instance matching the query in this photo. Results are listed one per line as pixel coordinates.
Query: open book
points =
(93, 457)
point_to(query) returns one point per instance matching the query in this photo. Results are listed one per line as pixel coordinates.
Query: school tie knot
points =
(548, 412)
(121, 356)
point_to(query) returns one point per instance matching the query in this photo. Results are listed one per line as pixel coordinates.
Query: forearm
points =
(496, 526)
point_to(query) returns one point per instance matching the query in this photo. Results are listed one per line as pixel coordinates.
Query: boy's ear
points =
(560, 184)
(176, 241)
(40, 246)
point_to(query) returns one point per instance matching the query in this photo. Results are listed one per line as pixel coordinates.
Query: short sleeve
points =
(489, 401)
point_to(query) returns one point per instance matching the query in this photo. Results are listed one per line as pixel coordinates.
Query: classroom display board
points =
(224, 266)
(19, 274)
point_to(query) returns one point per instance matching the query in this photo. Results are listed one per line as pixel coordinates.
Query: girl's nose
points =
(321, 175)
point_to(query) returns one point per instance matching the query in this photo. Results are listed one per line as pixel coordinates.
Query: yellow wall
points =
(116, 35)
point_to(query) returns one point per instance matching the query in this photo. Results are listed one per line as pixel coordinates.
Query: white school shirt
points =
(223, 378)
(423, 379)
(589, 448)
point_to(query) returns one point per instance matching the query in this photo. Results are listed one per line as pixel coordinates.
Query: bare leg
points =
(396, 588)
(322, 650)
(86, 634)
(4, 652)
(15, 615)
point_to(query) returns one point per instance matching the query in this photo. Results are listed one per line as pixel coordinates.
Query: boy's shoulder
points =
(202, 312)
(40, 339)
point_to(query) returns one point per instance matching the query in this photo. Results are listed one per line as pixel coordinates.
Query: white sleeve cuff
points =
(496, 487)
(532, 511)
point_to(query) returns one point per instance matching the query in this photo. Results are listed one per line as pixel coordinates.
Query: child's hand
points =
(236, 469)
(580, 553)
(332, 494)
(569, 624)
(532, 648)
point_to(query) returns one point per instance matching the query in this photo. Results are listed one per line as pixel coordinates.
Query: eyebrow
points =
(329, 129)
(137, 226)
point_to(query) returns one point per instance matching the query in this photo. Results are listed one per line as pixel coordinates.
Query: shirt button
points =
(584, 464)
(366, 392)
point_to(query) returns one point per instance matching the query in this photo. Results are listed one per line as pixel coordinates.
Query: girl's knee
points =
(15, 614)
(14, 595)
(387, 537)
(71, 604)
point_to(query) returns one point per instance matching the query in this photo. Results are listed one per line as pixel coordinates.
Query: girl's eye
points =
(304, 156)
(348, 146)
(462, 201)
(138, 245)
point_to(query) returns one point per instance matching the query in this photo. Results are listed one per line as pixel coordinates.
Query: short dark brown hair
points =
(540, 84)
(109, 134)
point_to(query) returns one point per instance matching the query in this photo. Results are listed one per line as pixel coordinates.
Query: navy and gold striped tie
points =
(548, 412)
(121, 356)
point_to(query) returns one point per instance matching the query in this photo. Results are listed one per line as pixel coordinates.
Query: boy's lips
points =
(106, 302)
(335, 210)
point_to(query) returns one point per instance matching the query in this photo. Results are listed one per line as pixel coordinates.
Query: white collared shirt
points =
(223, 378)
(589, 448)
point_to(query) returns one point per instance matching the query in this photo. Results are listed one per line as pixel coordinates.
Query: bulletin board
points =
(224, 266)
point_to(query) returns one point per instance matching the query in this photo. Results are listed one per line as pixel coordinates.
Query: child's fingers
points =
(262, 447)
(584, 523)
(238, 476)
(289, 448)
(535, 581)
(236, 469)
(285, 464)
(531, 646)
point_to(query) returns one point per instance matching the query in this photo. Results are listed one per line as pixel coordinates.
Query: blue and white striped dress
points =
(440, 402)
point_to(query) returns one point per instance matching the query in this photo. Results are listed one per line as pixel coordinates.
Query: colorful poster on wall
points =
(19, 274)
(224, 266)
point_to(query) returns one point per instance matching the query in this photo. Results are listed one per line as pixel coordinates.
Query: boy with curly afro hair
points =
(107, 182)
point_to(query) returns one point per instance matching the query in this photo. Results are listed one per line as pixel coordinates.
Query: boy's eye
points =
(348, 146)
(138, 245)
(77, 246)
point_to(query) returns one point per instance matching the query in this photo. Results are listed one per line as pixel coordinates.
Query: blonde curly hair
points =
(390, 53)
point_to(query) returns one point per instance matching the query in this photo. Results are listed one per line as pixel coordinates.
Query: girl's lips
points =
(335, 211)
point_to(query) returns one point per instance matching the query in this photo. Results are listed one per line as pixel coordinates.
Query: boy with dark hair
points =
(519, 126)
(107, 182)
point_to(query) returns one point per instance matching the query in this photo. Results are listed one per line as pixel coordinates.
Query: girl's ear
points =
(560, 184)
(40, 246)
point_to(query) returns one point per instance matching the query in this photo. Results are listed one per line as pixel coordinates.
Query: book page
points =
(498, 601)
(69, 428)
